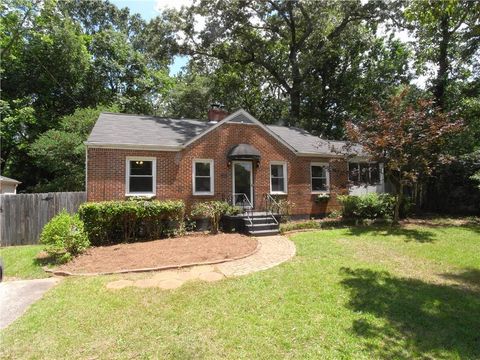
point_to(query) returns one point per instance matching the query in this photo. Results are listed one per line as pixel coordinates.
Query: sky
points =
(149, 9)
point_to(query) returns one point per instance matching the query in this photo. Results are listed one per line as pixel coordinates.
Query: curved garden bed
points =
(160, 254)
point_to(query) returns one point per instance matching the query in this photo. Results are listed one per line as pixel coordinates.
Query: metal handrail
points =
(246, 209)
(270, 200)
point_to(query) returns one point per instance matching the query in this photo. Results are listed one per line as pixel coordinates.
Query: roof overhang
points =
(324, 155)
(152, 147)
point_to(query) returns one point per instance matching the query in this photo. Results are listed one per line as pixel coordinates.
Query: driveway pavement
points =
(17, 296)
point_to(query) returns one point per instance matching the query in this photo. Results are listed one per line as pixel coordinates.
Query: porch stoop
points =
(259, 223)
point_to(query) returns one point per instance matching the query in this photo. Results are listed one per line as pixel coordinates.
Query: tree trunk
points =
(294, 106)
(442, 74)
(398, 203)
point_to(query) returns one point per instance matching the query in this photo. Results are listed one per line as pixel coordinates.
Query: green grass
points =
(357, 293)
(20, 262)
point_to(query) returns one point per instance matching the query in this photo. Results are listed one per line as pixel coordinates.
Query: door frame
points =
(251, 180)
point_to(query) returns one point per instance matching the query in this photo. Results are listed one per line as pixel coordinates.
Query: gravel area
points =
(160, 253)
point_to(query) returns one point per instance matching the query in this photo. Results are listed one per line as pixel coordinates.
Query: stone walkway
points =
(273, 250)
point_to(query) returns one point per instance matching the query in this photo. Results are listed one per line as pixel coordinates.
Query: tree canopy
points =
(312, 64)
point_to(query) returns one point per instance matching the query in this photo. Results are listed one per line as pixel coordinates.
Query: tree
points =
(59, 56)
(408, 137)
(294, 42)
(447, 33)
(61, 153)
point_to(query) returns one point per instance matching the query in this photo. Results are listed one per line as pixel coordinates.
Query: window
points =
(364, 173)
(140, 176)
(202, 177)
(320, 177)
(278, 177)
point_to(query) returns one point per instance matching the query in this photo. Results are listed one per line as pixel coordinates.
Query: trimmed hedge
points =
(113, 222)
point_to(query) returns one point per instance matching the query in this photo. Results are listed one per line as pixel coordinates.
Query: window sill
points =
(142, 195)
(320, 192)
(203, 194)
(278, 193)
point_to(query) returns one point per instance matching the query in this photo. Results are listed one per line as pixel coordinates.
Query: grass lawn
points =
(357, 293)
(20, 262)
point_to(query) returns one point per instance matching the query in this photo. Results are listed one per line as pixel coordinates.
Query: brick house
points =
(227, 157)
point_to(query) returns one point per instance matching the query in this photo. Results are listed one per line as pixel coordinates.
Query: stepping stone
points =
(211, 276)
(146, 283)
(120, 284)
(170, 284)
(165, 275)
(186, 275)
(202, 269)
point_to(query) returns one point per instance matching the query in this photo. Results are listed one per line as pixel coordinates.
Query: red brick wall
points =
(106, 169)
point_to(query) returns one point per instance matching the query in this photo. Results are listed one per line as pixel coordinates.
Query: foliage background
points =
(311, 64)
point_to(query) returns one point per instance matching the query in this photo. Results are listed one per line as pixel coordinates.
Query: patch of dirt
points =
(159, 253)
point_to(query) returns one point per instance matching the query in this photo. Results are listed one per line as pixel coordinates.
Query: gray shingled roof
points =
(304, 142)
(123, 129)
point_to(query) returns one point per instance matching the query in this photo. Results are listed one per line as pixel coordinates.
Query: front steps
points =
(262, 223)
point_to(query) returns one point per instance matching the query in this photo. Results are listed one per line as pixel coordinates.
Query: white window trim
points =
(127, 175)
(327, 175)
(212, 177)
(285, 177)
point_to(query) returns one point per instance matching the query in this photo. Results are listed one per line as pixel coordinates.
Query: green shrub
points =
(370, 206)
(112, 222)
(214, 210)
(64, 236)
(300, 225)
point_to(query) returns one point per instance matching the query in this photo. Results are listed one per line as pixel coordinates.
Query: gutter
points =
(152, 147)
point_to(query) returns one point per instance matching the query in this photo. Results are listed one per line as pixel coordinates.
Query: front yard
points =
(352, 293)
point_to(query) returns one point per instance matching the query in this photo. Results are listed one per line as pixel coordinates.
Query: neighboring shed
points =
(8, 186)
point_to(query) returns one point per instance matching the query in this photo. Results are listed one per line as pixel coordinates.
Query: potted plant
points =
(322, 198)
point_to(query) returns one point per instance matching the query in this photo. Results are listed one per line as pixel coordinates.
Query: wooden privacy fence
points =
(23, 216)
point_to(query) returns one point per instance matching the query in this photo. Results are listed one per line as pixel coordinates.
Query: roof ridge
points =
(152, 116)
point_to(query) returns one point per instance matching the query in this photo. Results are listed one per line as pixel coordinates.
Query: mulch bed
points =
(161, 253)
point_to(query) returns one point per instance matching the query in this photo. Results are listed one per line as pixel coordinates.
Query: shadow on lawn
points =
(469, 277)
(421, 319)
(419, 235)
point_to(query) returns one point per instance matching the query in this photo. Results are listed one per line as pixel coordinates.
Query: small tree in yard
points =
(407, 137)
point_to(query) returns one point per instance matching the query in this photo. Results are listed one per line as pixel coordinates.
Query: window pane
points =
(318, 171)
(202, 184)
(364, 176)
(202, 169)
(277, 170)
(140, 167)
(141, 184)
(319, 184)
(353, 172)
(277, 184)
(374, 173)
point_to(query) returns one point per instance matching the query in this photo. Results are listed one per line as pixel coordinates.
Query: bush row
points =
(122, 221)
(372, 206)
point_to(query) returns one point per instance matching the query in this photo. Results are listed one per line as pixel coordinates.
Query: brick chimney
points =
(216, 113)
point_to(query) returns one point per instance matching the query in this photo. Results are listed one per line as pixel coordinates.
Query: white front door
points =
(242, 183)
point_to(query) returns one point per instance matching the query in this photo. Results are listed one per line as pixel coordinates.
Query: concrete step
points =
(264, 232)
(261, 226)
(262, 220)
